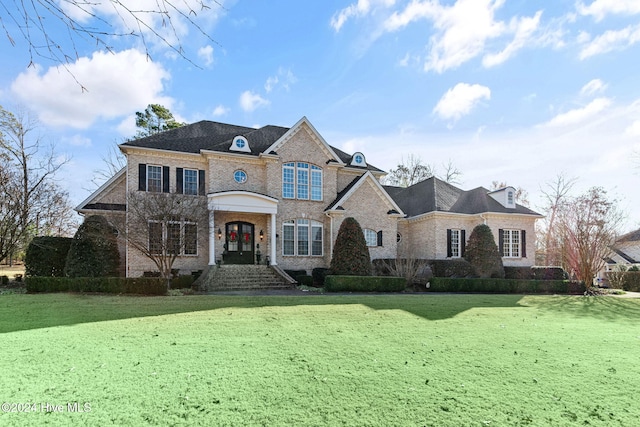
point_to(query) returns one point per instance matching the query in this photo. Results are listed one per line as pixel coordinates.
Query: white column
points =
(212, 239)
(273, 240)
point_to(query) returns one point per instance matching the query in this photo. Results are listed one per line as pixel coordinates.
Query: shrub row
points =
(535, 273)
(47, 256)
(631, 281)
(318, 274)
(110, 285)
(364, 284)
(506, 286)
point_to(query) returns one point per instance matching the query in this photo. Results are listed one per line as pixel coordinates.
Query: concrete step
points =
(245, 277)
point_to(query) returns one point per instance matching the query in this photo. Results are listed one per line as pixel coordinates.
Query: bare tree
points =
(98, 22)
(27, 181)
(549, 240)
(412, 170)
(588, 225)
(164, 226)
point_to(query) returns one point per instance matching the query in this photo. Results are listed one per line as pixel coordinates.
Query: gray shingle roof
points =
(215, 136)
(433, 194)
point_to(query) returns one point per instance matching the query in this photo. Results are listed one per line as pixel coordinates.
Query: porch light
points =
(261, 235)
(219, 234)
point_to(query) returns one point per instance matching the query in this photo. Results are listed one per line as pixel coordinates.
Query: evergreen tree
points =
(483, 254)
(350, 253)
(94, 250)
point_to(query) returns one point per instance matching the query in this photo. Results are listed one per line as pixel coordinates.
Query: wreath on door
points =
(247, 237)
(233, 237)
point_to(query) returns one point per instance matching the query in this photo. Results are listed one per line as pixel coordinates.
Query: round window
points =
(359, 159)
(240, 143)
(240, 176)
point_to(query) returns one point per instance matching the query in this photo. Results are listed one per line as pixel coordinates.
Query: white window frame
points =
(302, 181)
(371, 237)
(194, 191)
(303, 230)
(181, 242)
(159, 187)
(511, 241)
(456, 248)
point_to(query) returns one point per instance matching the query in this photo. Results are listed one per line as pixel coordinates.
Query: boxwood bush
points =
(110, 285)
(304, 280)
(364, 284)
(459, 267)
(631, 281)
(47, 256)
(548, 273)
(318, 274)
(505, 286)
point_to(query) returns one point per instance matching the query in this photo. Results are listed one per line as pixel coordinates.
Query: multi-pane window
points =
(455, 243)
(175, 237)
(511, 243)
(371, 237)
(154, 178)
(301, 181)
(302, 237)
(190, 181)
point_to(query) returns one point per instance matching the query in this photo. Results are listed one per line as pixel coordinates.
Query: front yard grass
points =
(433, 360)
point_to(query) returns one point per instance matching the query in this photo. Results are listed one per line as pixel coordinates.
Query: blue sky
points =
(507, 90)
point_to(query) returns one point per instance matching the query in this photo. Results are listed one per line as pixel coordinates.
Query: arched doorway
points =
(239, 244)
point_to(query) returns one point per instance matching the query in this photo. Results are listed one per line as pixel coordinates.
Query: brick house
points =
(283, 193)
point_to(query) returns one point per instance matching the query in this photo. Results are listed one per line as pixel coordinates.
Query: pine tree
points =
(483, 254)
(350, 253)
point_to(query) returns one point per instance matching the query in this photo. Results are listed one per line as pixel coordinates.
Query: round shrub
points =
(350, 253)
(94, 250)
(46, 256)
(483, 254)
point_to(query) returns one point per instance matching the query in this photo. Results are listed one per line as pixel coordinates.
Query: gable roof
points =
(214, 136)
(350, 189)
(90, 204)
(433, 195)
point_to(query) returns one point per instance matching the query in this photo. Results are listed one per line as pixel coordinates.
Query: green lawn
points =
(410, 360)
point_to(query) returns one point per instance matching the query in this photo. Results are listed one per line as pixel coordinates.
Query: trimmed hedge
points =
(295, 273)
(459, 267)
(364, 284)
(109, 285)
(318, 274)
(631, 281)
(4, 280)
(94, 250)
(47, 256)
(506, 286)
(304, 280)
(548, 273)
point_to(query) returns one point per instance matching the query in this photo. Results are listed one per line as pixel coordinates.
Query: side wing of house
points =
(366, 200)
(110, 201)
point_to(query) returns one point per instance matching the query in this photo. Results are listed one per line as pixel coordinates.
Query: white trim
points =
(293, 130)
(243, 201)
(101, 189)
(235, 147)
(357, 185)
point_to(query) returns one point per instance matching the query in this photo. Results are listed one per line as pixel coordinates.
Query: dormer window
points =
(510, 201)
(358, 160)
(240, 143)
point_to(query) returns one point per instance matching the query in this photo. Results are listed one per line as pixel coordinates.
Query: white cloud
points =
(580, 115)
(220, 111)
(460, 100)
(612, 40)
(600, 8)
(206, 54)
(524, 29)
(151, 22)
(78, 141)
(356, 10)
(249, 101)
(593, 87)
(633, 130)
(116, 85)
(284, 78)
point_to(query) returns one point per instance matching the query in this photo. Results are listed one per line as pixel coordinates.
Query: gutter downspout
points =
(331, 235)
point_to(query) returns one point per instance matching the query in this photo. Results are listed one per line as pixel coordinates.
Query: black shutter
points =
(501, 241)
(201, 182)
(523, 243)
(142, 177)
(165, 179)
(463, 242)
(179, 177)
(379, 238)
(449, 251)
